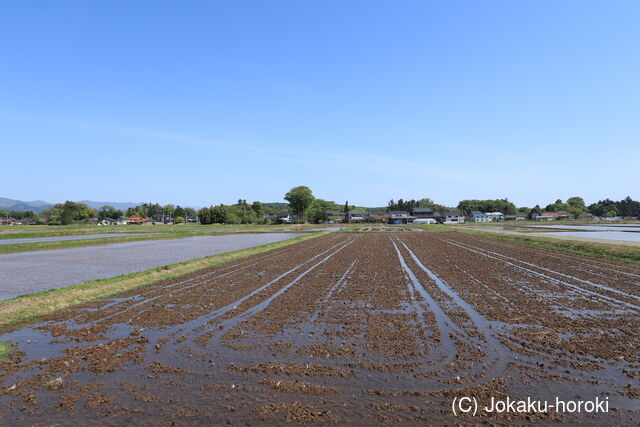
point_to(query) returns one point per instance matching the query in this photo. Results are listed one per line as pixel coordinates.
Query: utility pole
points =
(346, 212)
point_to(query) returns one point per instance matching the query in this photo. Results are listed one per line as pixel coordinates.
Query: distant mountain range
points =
(39, 205)
(18, 205)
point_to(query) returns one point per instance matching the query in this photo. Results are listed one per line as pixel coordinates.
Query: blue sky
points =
(200, 103)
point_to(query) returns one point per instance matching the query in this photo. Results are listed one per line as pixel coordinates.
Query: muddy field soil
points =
(361, 328)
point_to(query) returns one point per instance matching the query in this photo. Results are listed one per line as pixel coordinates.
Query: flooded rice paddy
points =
(601, 235)
(357, 328)
(332, 228)
(29, 272)
(610, 227)
(63, 238)
(621, 232)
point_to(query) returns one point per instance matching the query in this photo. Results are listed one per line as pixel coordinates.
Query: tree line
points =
(574, 207)
(71, 212)
(239, 213)
(497, 205)
(303, 206)
(5, 213)
(408, 205)
(149, 210)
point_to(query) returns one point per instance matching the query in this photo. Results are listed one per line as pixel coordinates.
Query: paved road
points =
(28, 272)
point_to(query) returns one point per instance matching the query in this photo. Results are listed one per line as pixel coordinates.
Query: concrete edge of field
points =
(28, 308)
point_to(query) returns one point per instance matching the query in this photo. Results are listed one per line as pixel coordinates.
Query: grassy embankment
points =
(142, 233)
(5, 349)
(610, 251)
(30, 307)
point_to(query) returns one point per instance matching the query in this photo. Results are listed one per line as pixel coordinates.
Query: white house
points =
(107, 221)
(424, 221)
(453, 218)
(477, 216)
(496, 216)
(284, 218)
(356, 216)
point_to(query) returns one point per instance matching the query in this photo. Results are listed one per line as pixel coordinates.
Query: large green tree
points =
(317, 212)
(72, 212)
(109, 212)
(576, 202)
(244, 212)
(179, 212)
(299, 198)
(497, 205)
(536, 210)
(257, 207)
(557, 206)
(53, 215)
(204, 216)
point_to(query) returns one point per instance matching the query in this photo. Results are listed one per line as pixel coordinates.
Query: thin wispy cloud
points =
(419, 171)
(329, 159)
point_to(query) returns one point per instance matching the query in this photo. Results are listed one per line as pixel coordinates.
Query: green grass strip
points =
(5, 349)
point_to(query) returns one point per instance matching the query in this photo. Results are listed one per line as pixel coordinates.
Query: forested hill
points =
(38, 206)
(18, 205)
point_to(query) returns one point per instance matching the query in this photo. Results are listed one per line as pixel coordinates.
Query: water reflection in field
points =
(29, 272)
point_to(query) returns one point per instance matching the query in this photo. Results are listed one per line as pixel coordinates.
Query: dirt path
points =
(361, 328)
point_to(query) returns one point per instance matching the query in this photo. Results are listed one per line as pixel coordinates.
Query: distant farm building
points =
(545, 216)
(400, 217)
(163, 219)
(376, 217)
(137, 220)
(355, 216)
(284, 218)
(453, 218)
(277, 217)
(477, 216)
(425, 221)
(425, 213)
